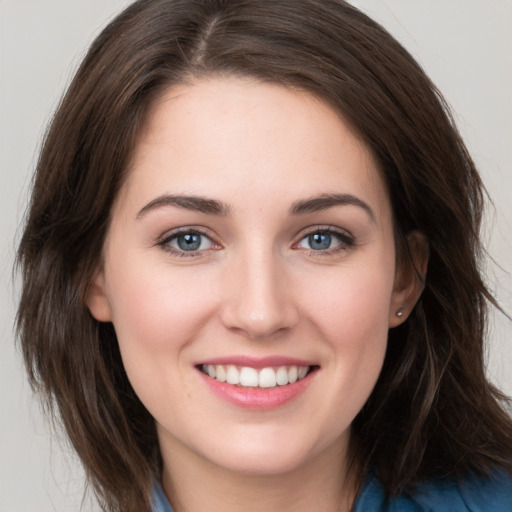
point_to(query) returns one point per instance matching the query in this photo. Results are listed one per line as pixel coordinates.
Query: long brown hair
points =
(432, 412)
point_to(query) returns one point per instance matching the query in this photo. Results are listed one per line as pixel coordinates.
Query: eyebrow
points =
(326, 201)
(215, 207)
(195, 203)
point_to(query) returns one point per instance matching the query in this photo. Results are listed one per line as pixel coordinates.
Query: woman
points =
(226, 292)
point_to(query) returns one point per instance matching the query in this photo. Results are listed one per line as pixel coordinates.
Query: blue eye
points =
(326, 240)
(189, 241)
(186, 242)
(320, 241)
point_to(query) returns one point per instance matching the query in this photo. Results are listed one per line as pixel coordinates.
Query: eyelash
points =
(345, 239)
(165, 242)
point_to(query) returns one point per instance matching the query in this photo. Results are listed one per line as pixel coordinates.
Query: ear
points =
(410, 278)
(97, 299)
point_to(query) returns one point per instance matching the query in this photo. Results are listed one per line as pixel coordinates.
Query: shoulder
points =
(473, 494)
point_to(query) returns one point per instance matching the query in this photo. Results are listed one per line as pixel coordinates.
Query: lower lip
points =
(258, 398)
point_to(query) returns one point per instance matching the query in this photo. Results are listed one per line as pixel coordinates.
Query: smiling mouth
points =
(248, 377)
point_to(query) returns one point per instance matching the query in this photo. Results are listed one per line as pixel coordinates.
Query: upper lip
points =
(256, 362)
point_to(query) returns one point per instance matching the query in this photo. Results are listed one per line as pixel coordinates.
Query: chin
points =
(261, 463)
(271, 452)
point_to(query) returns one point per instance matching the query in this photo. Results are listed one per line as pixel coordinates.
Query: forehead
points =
(241, 138)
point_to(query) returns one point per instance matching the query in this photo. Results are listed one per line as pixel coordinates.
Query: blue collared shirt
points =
(472, 495)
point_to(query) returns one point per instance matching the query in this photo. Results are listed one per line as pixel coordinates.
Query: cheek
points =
(156, 310)
(353, 299)
(352, 316)
(157, 314)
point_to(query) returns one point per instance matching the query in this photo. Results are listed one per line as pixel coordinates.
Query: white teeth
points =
(267, 378)
(250, 377)
(303, 370)
(221, 373)
(282, 376)
(232, 375)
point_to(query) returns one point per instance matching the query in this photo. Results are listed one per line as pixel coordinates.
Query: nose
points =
(258, 297)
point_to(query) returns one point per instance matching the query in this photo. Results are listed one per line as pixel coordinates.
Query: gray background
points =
(464, 45)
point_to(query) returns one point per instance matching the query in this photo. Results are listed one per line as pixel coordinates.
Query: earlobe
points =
(410, 278)
(97, 300)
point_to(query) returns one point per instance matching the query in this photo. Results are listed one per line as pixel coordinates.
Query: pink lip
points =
(257, 362)
(257, 398)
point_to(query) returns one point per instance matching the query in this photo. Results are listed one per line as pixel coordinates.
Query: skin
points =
(255, 287)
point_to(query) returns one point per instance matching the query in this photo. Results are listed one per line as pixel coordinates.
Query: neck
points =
(323, 484)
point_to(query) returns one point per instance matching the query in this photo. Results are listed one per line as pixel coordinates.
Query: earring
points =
(400, 313)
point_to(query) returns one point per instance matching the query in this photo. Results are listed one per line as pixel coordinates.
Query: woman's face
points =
(249, 271)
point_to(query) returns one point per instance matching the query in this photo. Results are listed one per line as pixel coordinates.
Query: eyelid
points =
(347, 240)
(324, 228)
(164, 240)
